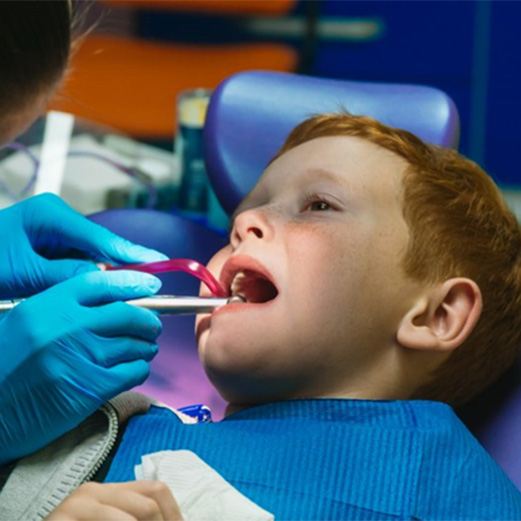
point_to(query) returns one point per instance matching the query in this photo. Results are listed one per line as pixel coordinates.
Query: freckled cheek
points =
(319, 258)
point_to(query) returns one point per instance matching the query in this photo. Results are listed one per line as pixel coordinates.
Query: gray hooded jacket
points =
(41, 481)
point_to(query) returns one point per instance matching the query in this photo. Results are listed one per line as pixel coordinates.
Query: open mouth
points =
(252, 287)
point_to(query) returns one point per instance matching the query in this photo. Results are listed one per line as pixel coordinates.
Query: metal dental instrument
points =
(162, 304)
(171, 305)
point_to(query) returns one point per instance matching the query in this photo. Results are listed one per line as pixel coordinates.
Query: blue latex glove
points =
(67, 350)
(41, 238)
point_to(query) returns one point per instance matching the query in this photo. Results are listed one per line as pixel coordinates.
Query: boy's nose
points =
(250, 223)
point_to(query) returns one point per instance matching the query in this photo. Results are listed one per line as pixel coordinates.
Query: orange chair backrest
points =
(225, 7)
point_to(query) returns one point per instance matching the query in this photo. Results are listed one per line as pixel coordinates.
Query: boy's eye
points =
(317, 203)
(318, 206)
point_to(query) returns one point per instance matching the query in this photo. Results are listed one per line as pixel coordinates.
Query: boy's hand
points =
(131, 501)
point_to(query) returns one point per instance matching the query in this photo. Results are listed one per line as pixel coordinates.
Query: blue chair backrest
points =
(251, 113)
(495, 419)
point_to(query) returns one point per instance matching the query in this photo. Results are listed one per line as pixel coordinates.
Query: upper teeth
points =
(236, 279)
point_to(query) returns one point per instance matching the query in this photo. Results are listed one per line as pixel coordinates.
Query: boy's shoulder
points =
(453, 460)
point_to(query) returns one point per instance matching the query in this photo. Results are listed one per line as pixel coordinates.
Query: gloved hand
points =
(38, 234)
(67, 350)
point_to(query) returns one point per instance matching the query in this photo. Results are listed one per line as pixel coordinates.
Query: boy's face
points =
(324, 225)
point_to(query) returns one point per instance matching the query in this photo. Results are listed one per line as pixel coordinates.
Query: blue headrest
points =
(251, 113)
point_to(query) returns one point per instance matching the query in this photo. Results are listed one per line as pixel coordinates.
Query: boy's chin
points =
(238, 390)
(246, 376)
(227, 346)
(230, 358)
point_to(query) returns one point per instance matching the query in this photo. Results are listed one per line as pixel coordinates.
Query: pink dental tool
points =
(192, 267)
(168, 304)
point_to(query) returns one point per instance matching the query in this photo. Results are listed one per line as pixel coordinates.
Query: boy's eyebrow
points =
(326, 174)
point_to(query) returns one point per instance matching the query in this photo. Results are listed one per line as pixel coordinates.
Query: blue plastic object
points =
(251, 113)
(69, 349)
(198, 411)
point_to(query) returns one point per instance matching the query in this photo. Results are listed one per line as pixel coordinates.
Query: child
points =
(380, 279)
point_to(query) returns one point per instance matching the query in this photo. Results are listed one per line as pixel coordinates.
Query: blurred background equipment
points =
(102, 168)
(191, 109)
(131, 83)
(130, 69)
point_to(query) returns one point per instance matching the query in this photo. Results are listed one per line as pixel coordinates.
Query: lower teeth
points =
(236, 299)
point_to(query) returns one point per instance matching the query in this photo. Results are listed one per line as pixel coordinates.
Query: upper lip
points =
(239, 263)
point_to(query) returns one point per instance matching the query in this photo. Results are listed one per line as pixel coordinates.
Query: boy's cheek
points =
(202, 325)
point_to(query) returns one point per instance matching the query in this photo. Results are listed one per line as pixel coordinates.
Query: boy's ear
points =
(443, 319)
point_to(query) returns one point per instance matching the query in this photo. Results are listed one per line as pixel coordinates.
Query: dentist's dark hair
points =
(35, 41)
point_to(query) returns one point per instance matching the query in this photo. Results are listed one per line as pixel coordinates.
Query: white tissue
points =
(201, 493)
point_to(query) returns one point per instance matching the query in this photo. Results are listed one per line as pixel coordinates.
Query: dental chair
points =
(248, 118)
(495, 419)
